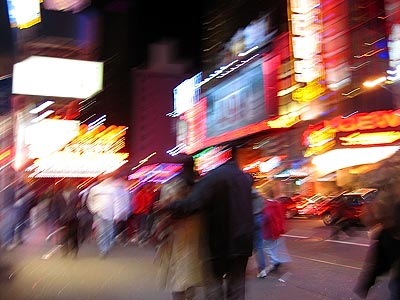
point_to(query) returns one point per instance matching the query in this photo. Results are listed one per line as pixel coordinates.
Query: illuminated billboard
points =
(236, 102)
(242, 105)
(305, 34)
(57, 77)
(91, 152)
(187, 94)
(23, 13)
(364, 129)
(49, 135)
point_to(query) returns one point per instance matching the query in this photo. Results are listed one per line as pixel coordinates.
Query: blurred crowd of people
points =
(106, 211)
(204, 229)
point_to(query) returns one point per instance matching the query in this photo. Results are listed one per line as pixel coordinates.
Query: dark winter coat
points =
(224, 195)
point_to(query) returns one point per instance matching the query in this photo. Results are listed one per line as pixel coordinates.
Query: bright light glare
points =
(374, 82)
(343, 158)
(41, 107)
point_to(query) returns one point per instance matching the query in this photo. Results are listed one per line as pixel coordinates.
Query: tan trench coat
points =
(179, 256)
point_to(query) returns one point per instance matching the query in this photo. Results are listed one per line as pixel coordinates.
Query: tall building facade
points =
(335, 61)
(152, 132)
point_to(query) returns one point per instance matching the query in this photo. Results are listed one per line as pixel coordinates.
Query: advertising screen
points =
(240, 105)
(237, 102)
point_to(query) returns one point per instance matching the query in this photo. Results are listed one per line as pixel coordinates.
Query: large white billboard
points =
(57, 77)
(23, 13)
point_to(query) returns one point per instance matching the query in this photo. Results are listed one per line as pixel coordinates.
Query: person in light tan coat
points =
(179, 254)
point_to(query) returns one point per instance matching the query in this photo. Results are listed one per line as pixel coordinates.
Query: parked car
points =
(353, 202)
(323, 205)
(309, 207)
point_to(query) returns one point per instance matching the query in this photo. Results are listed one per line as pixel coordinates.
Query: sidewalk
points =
(129, 273)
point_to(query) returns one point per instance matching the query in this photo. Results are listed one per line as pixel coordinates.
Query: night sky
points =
(129, 28)
(135, 24)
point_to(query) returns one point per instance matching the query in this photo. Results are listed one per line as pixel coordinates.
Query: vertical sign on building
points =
(392, 11)
(335, 43)
(305, 34)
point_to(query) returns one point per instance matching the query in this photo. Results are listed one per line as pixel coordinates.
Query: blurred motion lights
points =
(90, 153)
(342, 158)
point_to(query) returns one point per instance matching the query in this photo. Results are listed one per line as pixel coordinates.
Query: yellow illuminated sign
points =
(373, 138)
(284, 121)
(309, 92)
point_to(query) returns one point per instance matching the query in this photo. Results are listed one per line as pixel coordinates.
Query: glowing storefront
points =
(346, 143)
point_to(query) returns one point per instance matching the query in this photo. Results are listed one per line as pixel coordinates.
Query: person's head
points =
(188, 173)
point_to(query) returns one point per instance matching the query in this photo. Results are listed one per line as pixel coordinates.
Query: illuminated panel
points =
(335, 43)
(187, 94)
(91, 153)
(284, 121)
(343, 158)
(211, 158)
(58, 77)
(358, 129)
(237, 102)
(305, 32)
(159, 173)
(373, 138)
(23, 13)
(264, 164)
(49, 135)
(197, 125)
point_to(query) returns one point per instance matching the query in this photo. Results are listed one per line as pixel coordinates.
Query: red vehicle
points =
(311, 205)
(354, 202)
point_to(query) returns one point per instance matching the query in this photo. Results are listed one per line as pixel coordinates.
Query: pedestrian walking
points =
(142, 202)
(68, 199)
(258, 207)
(25, 200)
(272, 229)
(122, 210)
(223, 195)
(383, 256)
(178, 253)
(101, 203)
(7, 194)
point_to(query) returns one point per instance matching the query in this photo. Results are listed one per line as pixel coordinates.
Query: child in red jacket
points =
(272, 230)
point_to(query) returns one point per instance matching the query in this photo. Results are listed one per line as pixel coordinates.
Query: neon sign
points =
(365, 121)
(211, 158)
(305, 31)
(373, 138)
(89, 154)
(323, 137)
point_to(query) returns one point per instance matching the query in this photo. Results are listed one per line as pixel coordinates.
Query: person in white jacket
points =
(101, 202)
(122, 210)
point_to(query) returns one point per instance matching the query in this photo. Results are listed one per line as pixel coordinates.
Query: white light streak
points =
(42, 116)
(41, 107)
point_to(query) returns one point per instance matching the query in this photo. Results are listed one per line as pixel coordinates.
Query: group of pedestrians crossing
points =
(18, 198)
(106, 211)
